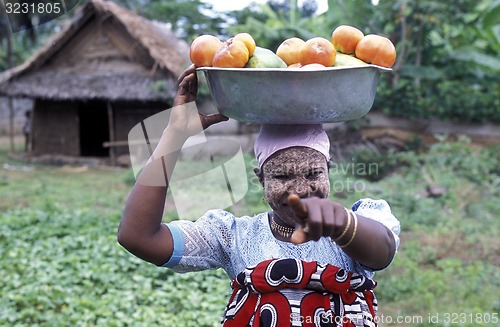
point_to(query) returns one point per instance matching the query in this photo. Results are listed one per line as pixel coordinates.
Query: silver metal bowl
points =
(293, 96)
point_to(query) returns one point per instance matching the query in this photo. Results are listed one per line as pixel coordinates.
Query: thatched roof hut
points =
(104, 72)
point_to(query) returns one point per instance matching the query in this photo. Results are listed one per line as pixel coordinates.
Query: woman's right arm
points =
(141, 230)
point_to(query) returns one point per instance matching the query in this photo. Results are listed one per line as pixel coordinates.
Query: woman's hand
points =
(363, 239)
(187, 88)
(316, 218)
(185, 116)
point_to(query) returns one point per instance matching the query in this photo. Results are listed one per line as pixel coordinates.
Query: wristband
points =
(353, 233)
(347, 225)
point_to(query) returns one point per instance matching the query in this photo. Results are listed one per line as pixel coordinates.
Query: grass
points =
(61, 265)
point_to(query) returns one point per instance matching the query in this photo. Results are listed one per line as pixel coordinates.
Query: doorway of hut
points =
(94, 128)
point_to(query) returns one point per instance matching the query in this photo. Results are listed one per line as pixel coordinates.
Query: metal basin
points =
(293, 96)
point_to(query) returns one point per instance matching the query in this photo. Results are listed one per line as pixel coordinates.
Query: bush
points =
(465, 99)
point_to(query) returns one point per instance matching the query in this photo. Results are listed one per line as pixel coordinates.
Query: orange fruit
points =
(318, 50)
(289, 50)
(232, 54)
(203, 49)
(313, 67)
(345, 38)
(377, 50)
(248, 40)
(296, 65)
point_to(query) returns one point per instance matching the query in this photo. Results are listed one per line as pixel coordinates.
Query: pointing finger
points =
(297, 206)
(299, 236)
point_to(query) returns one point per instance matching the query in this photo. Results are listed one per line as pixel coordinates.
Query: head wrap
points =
(273, 138)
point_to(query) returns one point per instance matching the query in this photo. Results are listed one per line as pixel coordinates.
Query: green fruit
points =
(265, 58)
(345, 60)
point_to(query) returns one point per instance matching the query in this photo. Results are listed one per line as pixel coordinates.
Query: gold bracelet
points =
(346, 226)
(353, 233)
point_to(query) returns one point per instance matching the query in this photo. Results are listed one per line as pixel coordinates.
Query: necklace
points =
(282, 230)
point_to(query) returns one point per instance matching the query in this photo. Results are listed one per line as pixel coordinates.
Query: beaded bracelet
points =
(353, 233)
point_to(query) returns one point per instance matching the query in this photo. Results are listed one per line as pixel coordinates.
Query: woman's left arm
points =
(365, 240)
(369, 242)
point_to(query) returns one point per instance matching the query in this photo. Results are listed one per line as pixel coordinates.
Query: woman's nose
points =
(302, 187)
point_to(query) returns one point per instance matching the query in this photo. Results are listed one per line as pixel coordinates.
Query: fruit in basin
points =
(232, 54)
(265, 58)
(295, 66)
(318, 50)
(377, 50)
(345, 60)
(248, 40)
(345, 38)
(312, 67)
(289, 50)
(203, 49)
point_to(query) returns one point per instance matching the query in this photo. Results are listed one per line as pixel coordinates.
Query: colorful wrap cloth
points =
(290, 292)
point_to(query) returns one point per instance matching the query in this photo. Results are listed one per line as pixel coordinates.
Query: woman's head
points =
(292, 160)
(296, 170)
(273, 138)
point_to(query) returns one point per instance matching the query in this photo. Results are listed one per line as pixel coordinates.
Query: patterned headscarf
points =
(273, 138)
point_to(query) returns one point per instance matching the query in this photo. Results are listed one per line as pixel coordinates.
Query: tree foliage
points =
(447, 61)
(189, 18)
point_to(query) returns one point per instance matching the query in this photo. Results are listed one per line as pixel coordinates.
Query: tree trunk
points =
(418, 56)
(10, 104)
(402, 50)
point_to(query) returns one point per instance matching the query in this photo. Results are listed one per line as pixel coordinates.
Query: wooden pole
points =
(11, 123)
(31, 142)
(9, 100)
(111, 127)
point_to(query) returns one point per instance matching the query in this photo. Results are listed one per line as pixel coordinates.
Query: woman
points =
(308, 261)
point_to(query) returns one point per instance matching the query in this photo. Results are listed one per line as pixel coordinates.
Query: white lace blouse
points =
(220, 240)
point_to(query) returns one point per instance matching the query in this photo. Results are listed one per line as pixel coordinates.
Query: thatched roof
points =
(163, 57)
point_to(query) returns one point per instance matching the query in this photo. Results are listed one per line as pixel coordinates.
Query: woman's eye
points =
(314, 174)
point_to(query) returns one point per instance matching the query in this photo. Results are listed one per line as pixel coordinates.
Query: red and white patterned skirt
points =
(290, 292)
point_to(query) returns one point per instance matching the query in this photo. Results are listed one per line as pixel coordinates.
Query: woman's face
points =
(297, 170)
